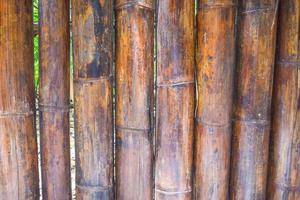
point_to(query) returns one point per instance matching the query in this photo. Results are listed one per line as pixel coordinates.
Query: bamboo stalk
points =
(284, 170)
(255, 59)
(215, 67)
(54, 98)
(175, 99)
(134, 91)
(92, 30)
(18, 146)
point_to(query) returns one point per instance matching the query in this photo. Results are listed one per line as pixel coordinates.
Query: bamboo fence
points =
(54, 98)
(174, 100)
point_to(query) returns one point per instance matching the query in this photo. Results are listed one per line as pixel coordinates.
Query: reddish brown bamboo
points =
(93, 33)
(215, 67)
(284, 170)
(134, 89)
(175, 99)
(255, 60)
(54, 98)
(18, 147)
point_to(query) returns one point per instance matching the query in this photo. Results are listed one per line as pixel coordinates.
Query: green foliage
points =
(36, 45)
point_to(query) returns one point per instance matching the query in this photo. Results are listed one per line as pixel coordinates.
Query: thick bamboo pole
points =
(18, 147)
(175, 99)
(284, 170)
(134, 89)
(215, 67)
(93, 33)
(54, 98)
(255, 60)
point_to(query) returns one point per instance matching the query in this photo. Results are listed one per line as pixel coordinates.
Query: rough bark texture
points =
(284, 170)
(18, 147)
(54, 98)
(175, 99)
(255, 57)
(93, 33)
(134, 89)
(215, 67)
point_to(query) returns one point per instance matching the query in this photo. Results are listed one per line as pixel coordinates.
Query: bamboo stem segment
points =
(18, 147)
(175, 99)
(54, 98)
(284, 170)
(215, 67)
(255, 59)
(92, 31)
(134, 92)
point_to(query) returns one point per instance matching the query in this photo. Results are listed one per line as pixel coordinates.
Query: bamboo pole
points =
(255, 59)
(93, 32)
(284, 170)
(18, 147)
(54, 98)
(215, 67)
(175, 99)
(134, 91)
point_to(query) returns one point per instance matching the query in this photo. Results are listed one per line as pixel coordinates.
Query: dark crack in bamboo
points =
(54, 97)
(18, 147)
(215, 67)
(284, 166)
(93, 33)
(256, 30)
(175, 99)
(134, 98)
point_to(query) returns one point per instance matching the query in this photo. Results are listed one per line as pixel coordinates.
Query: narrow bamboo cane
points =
(134, 89)
(54, 98)
(18, 147)
(215, 67)
(175, 99)
(93, 33)
(284, 170)
(255, 60)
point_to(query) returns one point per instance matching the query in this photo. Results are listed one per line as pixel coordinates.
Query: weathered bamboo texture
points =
(54, 98)
(18, 148)
(215, 67)
(93, 33)
(175, 99)
(251, 128)
(134, 98)
(284, 166)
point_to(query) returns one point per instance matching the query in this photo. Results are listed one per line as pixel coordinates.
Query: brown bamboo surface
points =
(284, 166)
(18, 146)
(54, 90)
(215, 66)
(175, 99)
(134, 98)
(93, 32)
(256, 30)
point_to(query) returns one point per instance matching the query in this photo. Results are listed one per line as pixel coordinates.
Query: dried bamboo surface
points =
(18, 146)
(134, 99)
(175, 99)
(256, 30)
(54, 90)
(284, 166)
(215, 68)
(93, 33)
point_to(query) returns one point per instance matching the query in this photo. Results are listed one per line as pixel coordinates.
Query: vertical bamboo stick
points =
(18, 147)
(215, 67)
(175, 99)
(134, 89)
(54, 98)
(284, 170)
(255, 59)
(93, 33)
